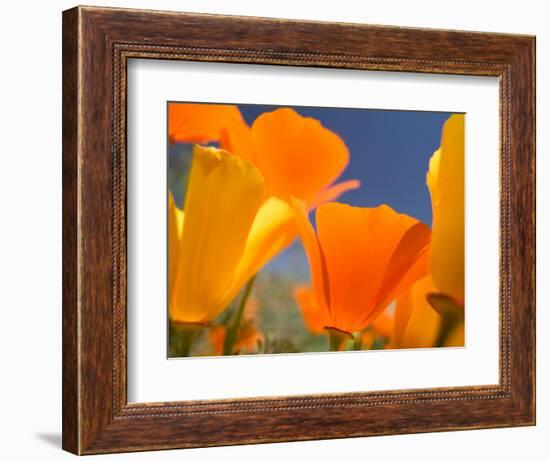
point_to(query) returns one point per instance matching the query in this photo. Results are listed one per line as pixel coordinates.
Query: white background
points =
(30, 243)
(152, 378)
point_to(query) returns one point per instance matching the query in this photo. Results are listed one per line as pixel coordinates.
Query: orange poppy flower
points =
(315, 319)
(360, 259)
(203, 123)
(383, 324)
(297, 156)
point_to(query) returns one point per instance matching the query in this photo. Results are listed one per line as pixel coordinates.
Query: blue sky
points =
(389, 153)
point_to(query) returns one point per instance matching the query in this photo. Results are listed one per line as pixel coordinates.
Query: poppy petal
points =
(333, 192)
(359, 245)
(175, 231)
(416, 323)
(273, 229)
(297, 155)
(409, 263)
(383, 323)
(223, 196)
(235, 138)
(314, 317)
(445, 180)
(202, 123)
(313, 250)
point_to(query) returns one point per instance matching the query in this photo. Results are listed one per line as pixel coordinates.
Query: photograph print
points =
(298, 229)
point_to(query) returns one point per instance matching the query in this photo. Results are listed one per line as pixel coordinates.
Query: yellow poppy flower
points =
(425, 319)
(445, 181)
(224, 195)
(416, 324)
(360, 259)
(175, 231)
(430, 312)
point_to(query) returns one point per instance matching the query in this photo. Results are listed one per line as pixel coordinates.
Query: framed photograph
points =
(281, 230)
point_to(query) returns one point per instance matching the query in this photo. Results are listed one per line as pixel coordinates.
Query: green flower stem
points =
(187, 335)
(357, 342)
(448, 324)
(233, 330)
(337, 338)
(452, 314)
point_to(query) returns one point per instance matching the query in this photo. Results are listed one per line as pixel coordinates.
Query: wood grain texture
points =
(97, 43)
(70, 385)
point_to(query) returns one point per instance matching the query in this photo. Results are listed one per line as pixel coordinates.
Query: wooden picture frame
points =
(97, 43)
